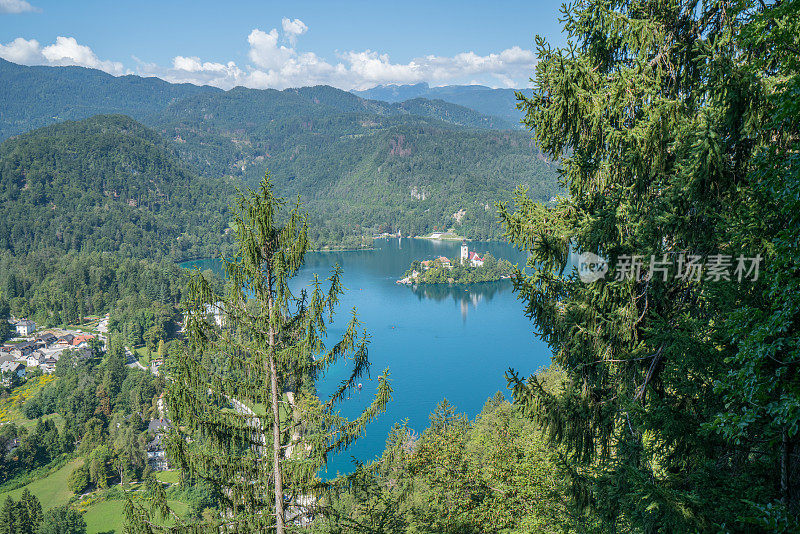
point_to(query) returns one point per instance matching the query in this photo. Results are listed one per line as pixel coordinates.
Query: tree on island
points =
(236, 429)
(460, 271)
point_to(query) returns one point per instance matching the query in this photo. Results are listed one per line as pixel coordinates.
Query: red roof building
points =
(77, 340)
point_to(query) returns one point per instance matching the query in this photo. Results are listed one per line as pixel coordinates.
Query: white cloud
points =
(16, 6)
(65, 51)
(292, 29)
(194, 70)
(264, 49)
(22, 51)
(276, 65)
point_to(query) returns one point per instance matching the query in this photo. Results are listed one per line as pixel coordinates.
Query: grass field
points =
(108, 516)
(283, 410)
(449, 235)
(168, 477)
(141, 355)
(101, 517)
(52, 490)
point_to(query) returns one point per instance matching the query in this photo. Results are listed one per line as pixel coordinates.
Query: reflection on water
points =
(464, 295)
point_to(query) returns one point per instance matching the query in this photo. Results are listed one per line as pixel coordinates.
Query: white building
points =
(215, 311)
(25, 327)
(470, 257)
(34, 359)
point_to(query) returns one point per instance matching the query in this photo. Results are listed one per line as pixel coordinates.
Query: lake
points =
(437, 341)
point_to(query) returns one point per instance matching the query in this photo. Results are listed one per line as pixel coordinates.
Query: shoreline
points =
(406, 282)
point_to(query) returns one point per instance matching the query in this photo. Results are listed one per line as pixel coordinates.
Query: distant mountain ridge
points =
(501, 103)
(36, 96)
(32, 97)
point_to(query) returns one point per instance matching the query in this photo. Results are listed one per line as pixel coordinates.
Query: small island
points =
(469, 268)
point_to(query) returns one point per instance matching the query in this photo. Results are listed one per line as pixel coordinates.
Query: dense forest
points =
(32, 97)
(56, 289)
(678, 126)
(490, 101)
(672, 403)
(107, 184)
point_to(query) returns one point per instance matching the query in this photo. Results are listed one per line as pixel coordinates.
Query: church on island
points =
(471, 257)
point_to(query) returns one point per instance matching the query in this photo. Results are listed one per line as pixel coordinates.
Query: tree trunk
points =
(784, 467)
(276, 448)
(276, 422)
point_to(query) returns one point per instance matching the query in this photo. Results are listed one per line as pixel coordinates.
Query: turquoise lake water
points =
(438, 341)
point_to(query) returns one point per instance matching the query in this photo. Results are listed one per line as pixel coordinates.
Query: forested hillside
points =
(107, 184)
(360, 166)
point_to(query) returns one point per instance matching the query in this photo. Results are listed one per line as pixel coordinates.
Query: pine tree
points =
(656, 114)
(8, 517)
(30, 512)
(259, 431)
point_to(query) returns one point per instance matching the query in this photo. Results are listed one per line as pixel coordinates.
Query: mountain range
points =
(501, 103)
(359, 165)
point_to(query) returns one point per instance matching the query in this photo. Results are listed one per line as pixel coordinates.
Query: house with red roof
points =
(475, 260)
(83, 338)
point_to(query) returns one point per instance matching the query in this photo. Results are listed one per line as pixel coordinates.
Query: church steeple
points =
(464, 251)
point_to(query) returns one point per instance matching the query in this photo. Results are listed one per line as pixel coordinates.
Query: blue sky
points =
(285, 44)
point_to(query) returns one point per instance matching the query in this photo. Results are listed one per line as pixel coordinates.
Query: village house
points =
(445, 262)
(79, 340)
(12, 367)
(47, 338)
(66, 339)
(48, 365)
(155, 365)
(475, 260)
(25, 327)
(215, 312)
(471, 258)
(6, 358)
(21, 351)
(156, 454)
(34, 359)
